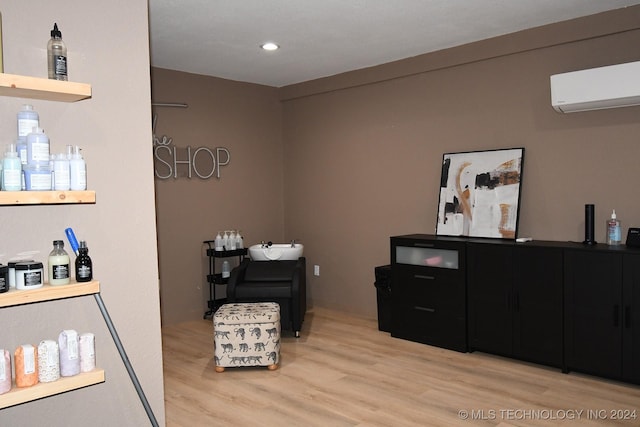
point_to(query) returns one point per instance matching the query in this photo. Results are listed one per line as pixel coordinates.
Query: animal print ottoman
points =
(247, 334)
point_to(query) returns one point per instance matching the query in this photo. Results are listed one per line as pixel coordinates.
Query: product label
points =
(33, 278)
(72, 344)
(11, 179)
(61, 271)
(61, 178)
(39, 152)
(25, 126)
(40, 181)
(52, 353)
(22, 153)
(4, 286)
(29, 359)
(84, 272)
(60, 65)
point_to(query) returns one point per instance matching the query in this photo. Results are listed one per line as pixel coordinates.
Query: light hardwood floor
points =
(342, 371)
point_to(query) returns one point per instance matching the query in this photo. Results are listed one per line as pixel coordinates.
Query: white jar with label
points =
(29, 275)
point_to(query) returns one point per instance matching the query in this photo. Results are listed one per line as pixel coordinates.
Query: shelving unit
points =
(45, 89)
(60, 91)
(8, 198)
(214, 278)
(51, 90)
(15, 297)
(16, 396)
(48, 293)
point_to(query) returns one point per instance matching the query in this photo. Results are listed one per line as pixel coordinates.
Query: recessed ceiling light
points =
(270, 46)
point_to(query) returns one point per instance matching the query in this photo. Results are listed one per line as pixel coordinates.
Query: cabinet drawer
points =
(419, 283)
(428, 256)
(427, 325)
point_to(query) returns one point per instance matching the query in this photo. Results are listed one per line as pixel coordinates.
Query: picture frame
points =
(480, 193)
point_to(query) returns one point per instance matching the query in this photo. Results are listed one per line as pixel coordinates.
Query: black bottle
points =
(84, 267)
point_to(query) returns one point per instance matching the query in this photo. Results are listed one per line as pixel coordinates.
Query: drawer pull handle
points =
(430, 310)
(421, 276)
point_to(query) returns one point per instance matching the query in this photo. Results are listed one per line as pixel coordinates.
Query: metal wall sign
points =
(174, 162)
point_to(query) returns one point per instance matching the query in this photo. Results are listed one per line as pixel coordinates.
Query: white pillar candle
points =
(48, 361)
(69, 353)
(87, 352)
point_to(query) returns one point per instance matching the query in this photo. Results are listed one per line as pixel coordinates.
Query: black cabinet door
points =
(489, 290)
(631, 319)
(593, 312)
(537, 305)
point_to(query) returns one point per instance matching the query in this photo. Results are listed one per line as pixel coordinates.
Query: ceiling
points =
(320, 38)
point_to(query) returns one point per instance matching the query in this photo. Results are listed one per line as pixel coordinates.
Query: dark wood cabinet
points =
(429, 291)
(515, 301)
(602, 307)
(631, 319)
(562, 304)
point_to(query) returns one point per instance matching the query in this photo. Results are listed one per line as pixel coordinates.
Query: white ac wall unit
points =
(597, 88)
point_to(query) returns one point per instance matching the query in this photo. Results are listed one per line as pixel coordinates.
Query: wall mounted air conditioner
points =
(597, 88)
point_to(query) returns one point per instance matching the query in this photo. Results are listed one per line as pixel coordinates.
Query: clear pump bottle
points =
(57, 55)
(59, 272)
(614, 230)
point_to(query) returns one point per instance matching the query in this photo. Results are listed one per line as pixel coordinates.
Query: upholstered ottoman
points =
(247, 334)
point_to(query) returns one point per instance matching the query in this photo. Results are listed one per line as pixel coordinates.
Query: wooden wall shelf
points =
(17, 396)
(48, 293)
(9, 198)
(38, 88)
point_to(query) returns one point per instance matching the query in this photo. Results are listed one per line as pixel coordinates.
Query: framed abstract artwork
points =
(480, 193)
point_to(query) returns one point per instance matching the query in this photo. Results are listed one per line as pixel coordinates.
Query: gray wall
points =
(108, 49)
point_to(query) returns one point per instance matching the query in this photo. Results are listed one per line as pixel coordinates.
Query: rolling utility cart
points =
(215, 279)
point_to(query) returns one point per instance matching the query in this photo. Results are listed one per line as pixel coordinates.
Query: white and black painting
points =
(480, 193)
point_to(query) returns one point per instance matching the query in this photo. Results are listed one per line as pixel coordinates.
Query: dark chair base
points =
(282, 282)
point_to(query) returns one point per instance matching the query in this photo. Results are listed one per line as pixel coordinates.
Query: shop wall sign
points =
(186, 162)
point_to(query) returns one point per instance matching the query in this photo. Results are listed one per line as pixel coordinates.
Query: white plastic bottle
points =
(218, 242)
(11, 170)
(614, 230)
(240, 242)
(232, 240)
(78, 171)
(27, 120)
(226, 269)
(38, 147)
(57, 55)
(61, 173)
(59, 265)
(225, 240)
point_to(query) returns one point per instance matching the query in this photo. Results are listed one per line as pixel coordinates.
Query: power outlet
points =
(316, 270)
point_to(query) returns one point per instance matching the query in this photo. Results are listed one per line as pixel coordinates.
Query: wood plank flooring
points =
(342, 371)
